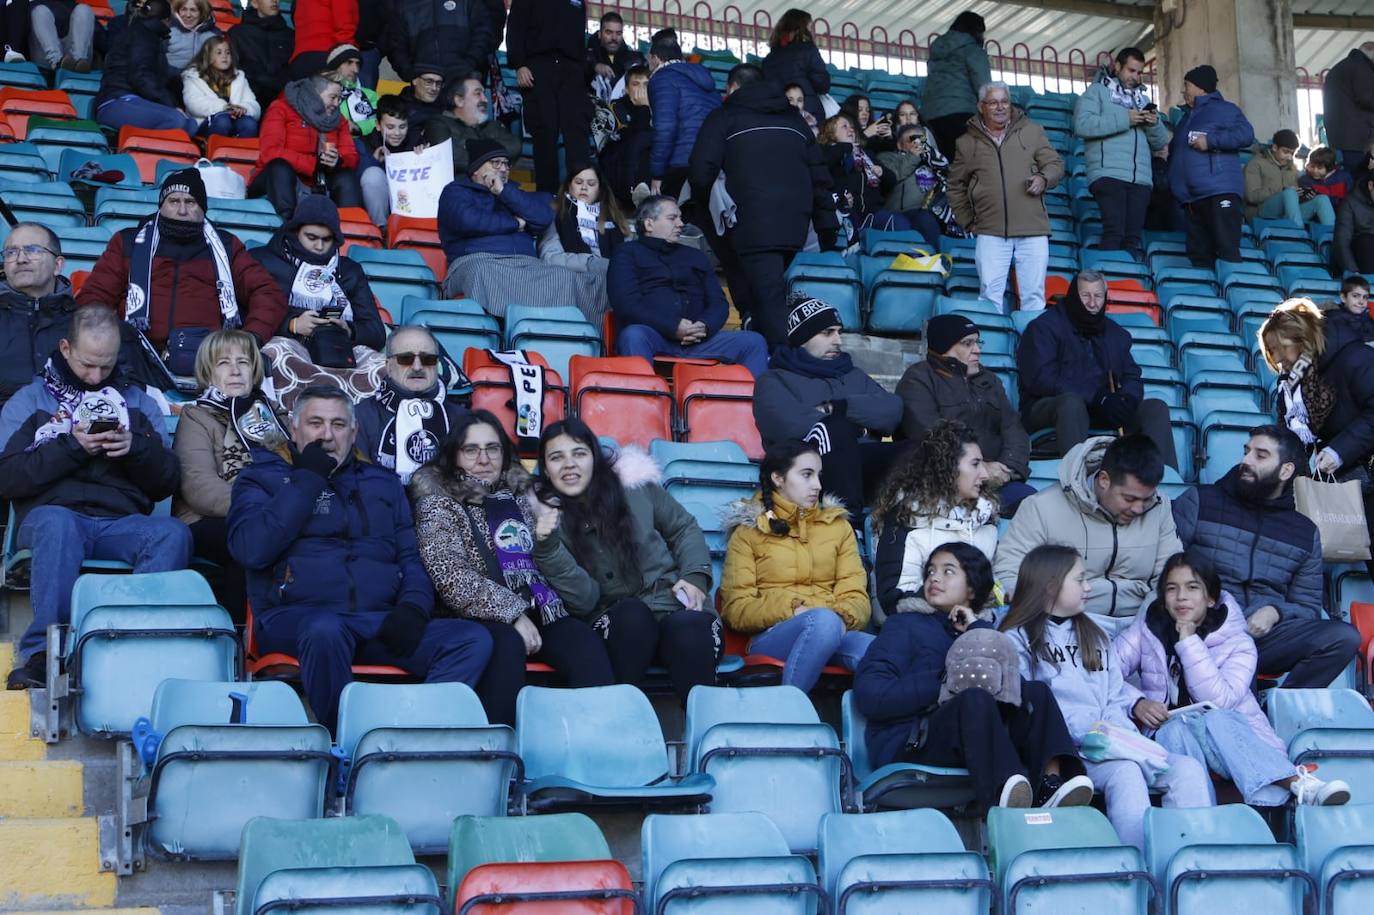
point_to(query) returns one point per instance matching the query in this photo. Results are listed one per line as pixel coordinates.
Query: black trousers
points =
(1214, 228)
(15, 23)
(948, 128)
(1312, 652)
(1362, 246)
(687, 642)
(280, 184)
(853, 469)
(995, 741)
(570, 647)
(557, 105)
(761, 274)
(1123, 207)
(210, 538)
(1071, 420)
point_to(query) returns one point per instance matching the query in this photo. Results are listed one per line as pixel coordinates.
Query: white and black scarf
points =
(146, 241)
(588, 220)
(1295, 415)
(78, 404)
(410, 439)
(250, 422)
(528, 382)
(316, 285)
(1131, 99)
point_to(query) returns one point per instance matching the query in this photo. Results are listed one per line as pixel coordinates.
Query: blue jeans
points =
(1223, 741)
(743, 347)
(62, 540)
(1285, 205)
(806, 643)
(223, 125)
(139, 112)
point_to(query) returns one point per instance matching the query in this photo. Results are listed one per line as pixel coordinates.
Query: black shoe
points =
(32, 674)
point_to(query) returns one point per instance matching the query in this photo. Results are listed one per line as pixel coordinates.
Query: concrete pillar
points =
(1249, 42)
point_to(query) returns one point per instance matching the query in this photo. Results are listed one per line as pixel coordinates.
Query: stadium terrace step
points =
(52, 864)
(41, 788)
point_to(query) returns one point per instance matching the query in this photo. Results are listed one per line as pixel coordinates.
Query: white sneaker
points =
(12, 56)
(1308, 789)
(1076, 792)
(1016, 792)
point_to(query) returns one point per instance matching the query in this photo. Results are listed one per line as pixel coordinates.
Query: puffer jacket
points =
(1112, 147)
(939, 388)
(681, 94)
(184, 44)
(898, 681)
(286, 135)
(660, 283)
(263, 45)
(1123, 562)
(1355, 216)
(1196, 175)
(323, 25)
(456, 546)
(1264, 178)
(452, 34)
(1348, 100)
(815, 564)
(1053, 358)
(1265, 552)
(135, 65)
(1347, 365)
(203, 102)
(801, 63)
(987, 182)
(30, 330)
(473, 220)
(669, 545)
(958, 67)
(900, 564)
(366, 325)
(1219, 668)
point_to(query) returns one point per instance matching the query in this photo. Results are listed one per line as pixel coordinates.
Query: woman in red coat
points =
(305, 145)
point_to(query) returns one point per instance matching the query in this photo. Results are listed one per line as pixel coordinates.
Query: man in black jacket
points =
(1348, 99)
(35, 304)
(777, 179)
(263, 42)
(451, 34)
(546, 44)
(86, 456)
(608, 57)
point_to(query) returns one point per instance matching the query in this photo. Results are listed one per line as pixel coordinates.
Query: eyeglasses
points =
(430, 80)
(428, 360)
(11, 254)
(472, 452)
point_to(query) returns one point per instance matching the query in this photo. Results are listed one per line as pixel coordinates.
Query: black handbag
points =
(182, 345)
(331, 347)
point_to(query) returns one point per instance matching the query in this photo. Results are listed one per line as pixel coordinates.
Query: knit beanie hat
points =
(482, 150)
(316, 210)
(1204, 77)
(809, 317)
(185, 181)
(342, 53)
(943, 331)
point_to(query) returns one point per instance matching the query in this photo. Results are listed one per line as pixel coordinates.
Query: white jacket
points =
(977, 527)
(202, 102)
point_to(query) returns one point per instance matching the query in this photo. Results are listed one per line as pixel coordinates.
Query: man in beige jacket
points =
(1002, 167)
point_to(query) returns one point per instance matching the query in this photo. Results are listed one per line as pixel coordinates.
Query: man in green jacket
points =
(465, 118)
(1120, 128)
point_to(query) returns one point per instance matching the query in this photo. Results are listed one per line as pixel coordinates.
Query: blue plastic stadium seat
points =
(1336, 846)
(665, 452)
(1333, 728)
(900, 301)
(905, 785)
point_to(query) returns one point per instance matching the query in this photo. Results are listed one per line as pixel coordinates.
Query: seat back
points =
(1027, 849)
(474, 841)
(708, 706)
(364, 707)
(398, 889)
(1293, 711)
(630, 408)
(184, 588)
(667, 839)
(608, 736)
(1335, 844)
(514, 888)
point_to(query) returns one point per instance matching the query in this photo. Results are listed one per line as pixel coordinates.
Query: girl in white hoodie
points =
(1061, 645)
(214, 88)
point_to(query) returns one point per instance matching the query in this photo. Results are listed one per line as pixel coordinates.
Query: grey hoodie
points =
(1085, 697)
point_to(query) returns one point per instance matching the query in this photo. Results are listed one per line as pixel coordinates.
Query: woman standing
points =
(793, 58)
(958, 68)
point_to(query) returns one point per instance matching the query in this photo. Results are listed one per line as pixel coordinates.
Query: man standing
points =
(1204, 168)
(334, 574)
(86, 457)
(1121, 129)
(263, 41)
(1269, 557)
(466, 119)
(545, 44)
(1348, 103)
(681, 95)
(608, 57)
(453, 35)
(1003, 165)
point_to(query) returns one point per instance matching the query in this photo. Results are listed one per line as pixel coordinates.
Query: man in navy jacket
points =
(334, 574)
(1204, 168)
(666, 298)
(484, 212)
(681, 94)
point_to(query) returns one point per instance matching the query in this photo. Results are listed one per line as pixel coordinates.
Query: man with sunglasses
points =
(36, 304)
(401, 426)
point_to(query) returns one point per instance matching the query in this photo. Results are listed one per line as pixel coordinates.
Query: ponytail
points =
(779, 459)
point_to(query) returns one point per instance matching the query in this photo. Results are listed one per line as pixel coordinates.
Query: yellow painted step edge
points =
(44, 789)
(52, 864)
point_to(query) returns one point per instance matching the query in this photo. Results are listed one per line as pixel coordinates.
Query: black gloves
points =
(1117, 409)
(313, 457)
(402, 630)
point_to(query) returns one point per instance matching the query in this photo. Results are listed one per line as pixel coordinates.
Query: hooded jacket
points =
(263, 45)
(30, 330)
(767, 576)
(1347, 365)
(668, 542)
(345, 544)
(1112, 148)
(897, 684)
(1122, 561)
(368, 329)
(135, 65)
(957, 68)
(939, 387)
(987, 182)
(1265, 552)
(1055, 358)
(202, 102)
(1085, 697)
(1355, 216)
(1219, 668)
(681, 95)
(323, 25)
(286, 135)
(453, 35)
(787, 400)
(1195, 175)
(659, 283)
(774, 171)
(473, 220)
(900, 563)
(1265, 177)
(1348, 100)
(801, 63)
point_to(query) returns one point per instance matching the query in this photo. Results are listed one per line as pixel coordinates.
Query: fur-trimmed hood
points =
(749, 512)
(428, 481)
(919, 605)
(636, 467)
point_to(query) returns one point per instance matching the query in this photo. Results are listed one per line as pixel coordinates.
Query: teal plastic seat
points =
(1333, 728)
(285, 863)
(51, 203)
(901, 301)
(665, 452)
(837, 286)
(423, 754)
(1223, 437)
(597, 745)
(210, 777)
(903, 860)
(1336, 847)
(474, 841)
(21, 164)
(556, 340)
(1067, 859)
(877, 241)
(903, 785)
(1222, 860)
(767, 751)
(413, 303)
(723, 864)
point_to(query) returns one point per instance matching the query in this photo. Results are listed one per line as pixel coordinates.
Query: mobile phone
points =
(1152, 107)
(331, 311)
(102, 425)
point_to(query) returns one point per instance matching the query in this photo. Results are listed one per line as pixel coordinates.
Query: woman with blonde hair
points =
(192, 25)
(861, 185)
(214, 88)
(794, 59)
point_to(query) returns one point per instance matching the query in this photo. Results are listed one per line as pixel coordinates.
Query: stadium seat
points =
(836, 285)
(904, 785)
(767, 751)
(358, 229)
(725, 451)
(584, 887)
(151, 147)
(716, 403)
(1067, 859)
(1221, 859)
(558, 333)
(900, 301)
(597, 745)
(361, 862)
(22, 163)
(1333, 728)
(423, 754)
(238, 153)
(477, 841)
(20, 105)
(22, 75)
(54, 138)
(493, 390)
(875, 241)
(51, 203)
(620, 396)
(706, 860)
(1336, 847)
(1223, 438)
(281, 666)
(904, 860)
(458, 332)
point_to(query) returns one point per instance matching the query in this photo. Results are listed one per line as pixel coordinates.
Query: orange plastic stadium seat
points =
(79, 280)
(18, 105)
(716, 403)
(358, 229)
(546, 888)
(737, 644)
(492, 389)
(1126, 300)
(422, 235)
(102, 9)
(1362, 616)
(238, 153)
(277, 665)
(149, 147)
(620, 396)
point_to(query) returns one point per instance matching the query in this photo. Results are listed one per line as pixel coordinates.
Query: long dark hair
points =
(602, 513)
(795, 25)
(446, 461)
(611, 214)
(976, 568)
(1038, 584)
(1157, 617)
(850, 107)
(779, 459)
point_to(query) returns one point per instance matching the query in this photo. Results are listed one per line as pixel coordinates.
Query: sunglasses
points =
(428, 360)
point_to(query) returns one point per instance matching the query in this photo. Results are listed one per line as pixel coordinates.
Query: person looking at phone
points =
(484, 212)
(86, 457)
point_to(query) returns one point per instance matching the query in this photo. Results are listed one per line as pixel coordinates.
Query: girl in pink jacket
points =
(1191, 647)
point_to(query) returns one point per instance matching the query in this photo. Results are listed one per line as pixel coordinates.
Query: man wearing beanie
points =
(1271, 185)
(454, 35)
(175, 271)
(1204, 168)
(484, 212)
(951, 383)
(422, 98)
(813, 391)
(464, 119)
